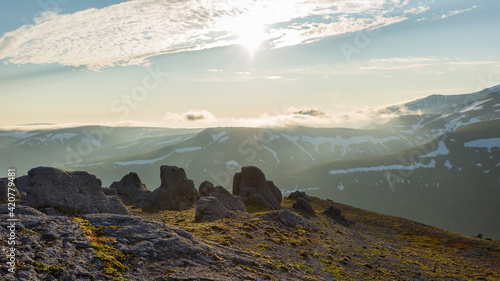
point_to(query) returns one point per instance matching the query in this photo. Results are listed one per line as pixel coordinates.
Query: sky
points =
(189, 63)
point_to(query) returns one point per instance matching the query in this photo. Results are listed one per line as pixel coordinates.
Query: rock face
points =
(109, 191)
(69, 192)
(176, 191)
(210, 209)
(251, 185)
(336, 214)
(131, 190)
(4, 196)
(303, 207)
(22, 184)
(230, 202)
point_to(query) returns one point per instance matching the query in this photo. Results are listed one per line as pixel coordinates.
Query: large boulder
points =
(336, 214)
(251, 185)
(210, 209)
(303, 207)
(131, 190)
(4, 191)
(176, 191)
(69, 192)
(285, 218)
(230, 202)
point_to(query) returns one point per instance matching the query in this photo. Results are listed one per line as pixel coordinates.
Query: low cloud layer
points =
(131, 32)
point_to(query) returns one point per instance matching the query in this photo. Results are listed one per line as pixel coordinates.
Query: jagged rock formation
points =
(58, 248)
(176, 191)
(131, 190)
(230, 202)
(303, 207)
(336, 214)
(251, 185)
(210, 209)
(69, 192)
(4, 182)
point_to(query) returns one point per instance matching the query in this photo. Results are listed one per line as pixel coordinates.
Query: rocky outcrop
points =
(251, 185)
(210, 209)
(58, 248)
(69, 192)
(176, 191)
(230, 202)
(286, 218)
(131, 190)
(336, 214)
(298, 194)
(4, 191)
(303, 207)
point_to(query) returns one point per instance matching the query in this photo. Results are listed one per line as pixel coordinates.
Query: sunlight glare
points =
(250, 32)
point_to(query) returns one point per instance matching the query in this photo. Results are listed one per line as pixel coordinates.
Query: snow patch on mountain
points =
(441, 150)
(233, 165)
(93, 142)
(475, 106)
(167, 142)
(316, 141)
(294, 140)
(413, 166)
(63, 136)
(128, 145)
(187, 149)
(273, 152)
(448, 165)
(484, 143)
(141, 162)
(88, 165)
(17, 135)
(216, 137)
(456, 123)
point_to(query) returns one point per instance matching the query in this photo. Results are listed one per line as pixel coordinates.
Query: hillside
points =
(451, 182)
(249, 246)
(374, 247)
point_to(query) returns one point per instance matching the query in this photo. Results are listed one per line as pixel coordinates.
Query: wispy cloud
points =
(454, 12)
(398, 63)
(190, 116)
(131, 32)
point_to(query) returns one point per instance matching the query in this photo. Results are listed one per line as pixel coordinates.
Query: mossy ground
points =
(376, 247)
(114, 262)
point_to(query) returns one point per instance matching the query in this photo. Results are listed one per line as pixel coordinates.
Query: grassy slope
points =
(377, 247)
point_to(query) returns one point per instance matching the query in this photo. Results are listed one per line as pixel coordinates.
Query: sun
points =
(250, 32)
